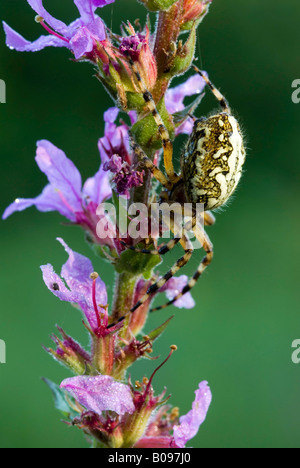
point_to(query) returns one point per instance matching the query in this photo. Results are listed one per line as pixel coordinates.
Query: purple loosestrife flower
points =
(100, 393)
(78, 287)
(191, 422)
(65, 193)
(173, 287)
(116, 153)
(81, 36)
(159, 429)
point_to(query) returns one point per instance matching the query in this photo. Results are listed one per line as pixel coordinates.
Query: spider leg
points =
(162, 250)
(222, 100)
(208, 247)
(157, 173)
(185, 242)
(209, 219)
(163, 132)
(165, 248)
(172, 272)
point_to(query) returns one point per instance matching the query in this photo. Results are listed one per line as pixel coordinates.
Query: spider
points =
(211, 168)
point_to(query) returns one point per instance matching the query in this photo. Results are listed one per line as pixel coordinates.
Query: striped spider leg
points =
(188, 249)
(203, 238)
(163, 132)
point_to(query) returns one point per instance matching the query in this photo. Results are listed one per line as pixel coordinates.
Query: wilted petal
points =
(191, 422)
(15, 41)
(61, 172)
(100, 393)
(174, 287)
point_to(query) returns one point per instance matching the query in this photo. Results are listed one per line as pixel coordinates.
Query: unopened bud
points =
(194, 12)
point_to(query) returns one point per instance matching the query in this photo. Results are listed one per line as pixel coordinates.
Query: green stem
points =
(124, 294)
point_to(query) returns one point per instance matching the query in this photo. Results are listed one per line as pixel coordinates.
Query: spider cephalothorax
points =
(211, 167)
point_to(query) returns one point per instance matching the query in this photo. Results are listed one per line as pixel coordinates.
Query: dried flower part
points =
(117, 155)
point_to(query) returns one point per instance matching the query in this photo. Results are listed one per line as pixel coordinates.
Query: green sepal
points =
(60, 400)
(101, 251)
(185, 56)
(137, 263)
(181, 116)
(155, 334)
(145, 131)
(157, 5)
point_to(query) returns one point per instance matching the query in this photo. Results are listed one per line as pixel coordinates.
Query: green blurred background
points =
(239, 336)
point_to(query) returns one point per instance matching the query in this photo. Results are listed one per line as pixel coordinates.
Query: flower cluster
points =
(100, 399)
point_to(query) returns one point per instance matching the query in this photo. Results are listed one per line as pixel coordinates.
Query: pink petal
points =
(100, 393)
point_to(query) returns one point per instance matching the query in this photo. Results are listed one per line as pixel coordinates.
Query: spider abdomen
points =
(213, 160)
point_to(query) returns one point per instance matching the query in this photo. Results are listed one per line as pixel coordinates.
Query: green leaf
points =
(138, 263)
(60, 400)
(181, 116)
(159, 330)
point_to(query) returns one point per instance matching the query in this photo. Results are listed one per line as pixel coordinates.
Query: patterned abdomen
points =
(213, 160)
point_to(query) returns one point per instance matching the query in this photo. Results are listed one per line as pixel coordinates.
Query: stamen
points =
(41, 20)
(173, 348)
(61, 196)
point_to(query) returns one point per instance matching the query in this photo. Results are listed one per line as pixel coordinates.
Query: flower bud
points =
(194, 11)
(70, 353)
(137, 47)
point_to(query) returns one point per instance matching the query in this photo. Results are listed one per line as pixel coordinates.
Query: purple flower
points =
(191, 422)
(116, 154)
(158, 433)
(175, 99)
(100, 393)
(65, 193)
(76, 286)
(174, 287)
(80, 36)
